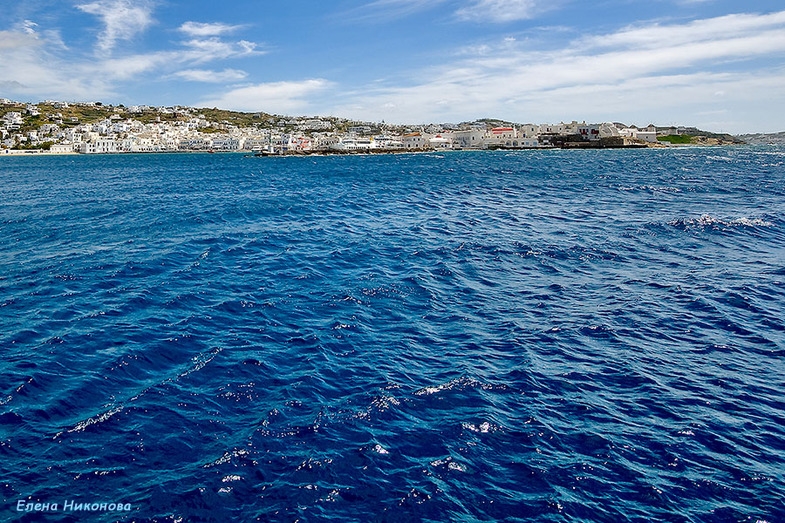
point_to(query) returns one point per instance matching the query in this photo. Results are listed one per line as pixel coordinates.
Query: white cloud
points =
(204, 75)
(204, 29)
(653, 69)
(123, 19)
(29, 68)
(274, 97)
(213, 48)
(710, 30)
(386, 10)
(17, 40)
(498, 10)
(39, 63)
(28, 26)
(130, 66)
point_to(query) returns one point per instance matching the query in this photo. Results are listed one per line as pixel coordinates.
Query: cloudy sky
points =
(716, 64)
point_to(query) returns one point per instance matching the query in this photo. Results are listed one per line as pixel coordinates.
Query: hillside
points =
(764, 138)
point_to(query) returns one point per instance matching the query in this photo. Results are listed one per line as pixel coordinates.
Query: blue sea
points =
(529, 336)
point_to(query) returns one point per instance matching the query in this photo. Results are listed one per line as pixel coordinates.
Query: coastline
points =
(35, 152)
(252, 154)
(85, 128)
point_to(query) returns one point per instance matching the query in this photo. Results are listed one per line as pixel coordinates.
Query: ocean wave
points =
(707, 221)
(408, 338)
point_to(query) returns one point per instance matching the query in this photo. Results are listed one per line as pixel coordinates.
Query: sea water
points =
(545, 336)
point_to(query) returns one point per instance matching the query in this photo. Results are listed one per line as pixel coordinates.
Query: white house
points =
(529, 130)
(100, 146)
(441, 141)
(418, 141)
(647, 135)
(62, 148)
(502, 137)
(469, 139)
(13, 120)
(589, 132)
(547, 128)
(388, 143)
(225, 143)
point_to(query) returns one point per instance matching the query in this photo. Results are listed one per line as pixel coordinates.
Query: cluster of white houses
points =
(117, 134)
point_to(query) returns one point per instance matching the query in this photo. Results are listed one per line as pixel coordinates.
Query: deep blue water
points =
(545, 336)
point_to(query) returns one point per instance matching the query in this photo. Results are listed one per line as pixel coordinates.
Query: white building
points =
(649, 134)
(99, 146)
(225, 143)
(589, 132)
(62, 148)
(502, 137)
(296, 143)
(529, 131)
(13, 120)
(469, 139)
(194, 144)
(548, 128)
(608, 130)
(315, 124)
(418, 141)
(388, 143)
(441, 141)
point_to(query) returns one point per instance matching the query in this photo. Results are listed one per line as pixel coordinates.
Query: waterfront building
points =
(552, 129)
(589, 132)
(415, 141)
(529, 130)
(469, 139)
(441, 141)
(647, 135)
(502, 137)
(99, 146)
(388, 143)
(225, 143)
(61, 148)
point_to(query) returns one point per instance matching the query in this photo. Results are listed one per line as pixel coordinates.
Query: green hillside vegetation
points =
(677, 139)
(698, 137)
(494, 122)
(235, 118)
(83, 113)
(76, 114)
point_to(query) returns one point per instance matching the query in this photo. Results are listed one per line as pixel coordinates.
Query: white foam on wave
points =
(83, 425)
(483, 428)
(449, 463)
(650, 188)
(706, 220)
(752, 222)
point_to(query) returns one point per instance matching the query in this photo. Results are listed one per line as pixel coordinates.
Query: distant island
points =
(93, 127)
(763, 138)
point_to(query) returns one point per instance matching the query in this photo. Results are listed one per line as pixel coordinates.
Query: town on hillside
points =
(93, 127)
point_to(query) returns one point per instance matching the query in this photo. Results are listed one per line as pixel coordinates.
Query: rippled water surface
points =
(550, 336)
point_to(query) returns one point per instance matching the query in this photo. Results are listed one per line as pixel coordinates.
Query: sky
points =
(715, 64)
